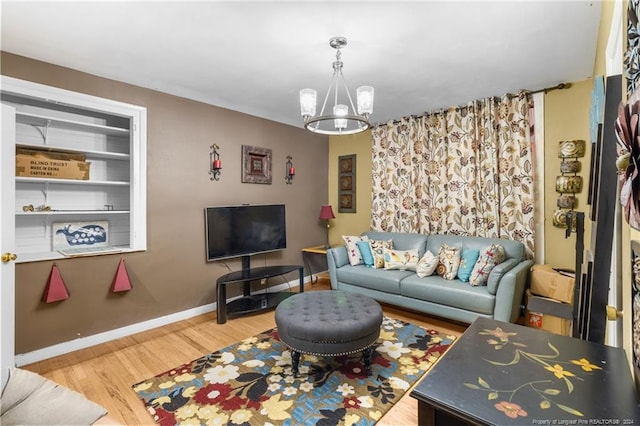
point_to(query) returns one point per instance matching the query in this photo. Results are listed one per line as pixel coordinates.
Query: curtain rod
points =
(545, 90)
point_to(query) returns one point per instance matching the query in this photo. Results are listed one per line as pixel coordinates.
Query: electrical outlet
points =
(263, 281)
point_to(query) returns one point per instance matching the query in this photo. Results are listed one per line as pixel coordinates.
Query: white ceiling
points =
(254, 57)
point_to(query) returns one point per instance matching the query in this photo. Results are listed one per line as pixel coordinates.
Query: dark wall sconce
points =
(215, 165)
(290, 170)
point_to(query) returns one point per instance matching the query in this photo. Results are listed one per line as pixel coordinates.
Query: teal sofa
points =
(500, 299)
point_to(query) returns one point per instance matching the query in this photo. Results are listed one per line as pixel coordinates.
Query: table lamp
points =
(326, 213)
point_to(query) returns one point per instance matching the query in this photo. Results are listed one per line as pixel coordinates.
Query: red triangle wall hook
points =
(55, 290)
(121, 281)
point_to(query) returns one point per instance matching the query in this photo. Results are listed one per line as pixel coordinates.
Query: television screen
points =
(234, 231)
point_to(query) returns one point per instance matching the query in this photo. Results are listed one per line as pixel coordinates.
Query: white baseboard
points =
(96, 339)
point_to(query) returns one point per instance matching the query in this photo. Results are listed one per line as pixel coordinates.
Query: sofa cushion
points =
(365, 253)
(448, 262)
(375, 279)
(513, 249)
(452, 293)
(401, 259)
(427, 264)
(377, 247)
(468, 260)
(355, 258)
(489, 258)
(402, 240)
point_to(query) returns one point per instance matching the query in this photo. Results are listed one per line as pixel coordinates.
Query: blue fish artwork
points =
(84, 235)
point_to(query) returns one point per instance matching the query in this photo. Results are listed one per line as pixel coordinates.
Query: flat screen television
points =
(245, 230)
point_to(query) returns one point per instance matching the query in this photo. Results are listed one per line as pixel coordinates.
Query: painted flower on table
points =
(585, 364)
(510, 409)
(559, 371)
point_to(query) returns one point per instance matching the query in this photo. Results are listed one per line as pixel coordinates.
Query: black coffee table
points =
(499, 373)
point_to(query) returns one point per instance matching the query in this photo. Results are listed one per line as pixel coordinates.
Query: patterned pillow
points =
(365, 252)
(401, 259)
(355, 258)
(377, 247)
(467, 262)
(448, 262)
(489, 258)
(427, 265)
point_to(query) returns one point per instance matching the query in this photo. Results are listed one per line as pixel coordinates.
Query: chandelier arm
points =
(346, 88)
(326, 97)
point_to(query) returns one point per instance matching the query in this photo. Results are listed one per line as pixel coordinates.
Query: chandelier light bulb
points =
(340, 110)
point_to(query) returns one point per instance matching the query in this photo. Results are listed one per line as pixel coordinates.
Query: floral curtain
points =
(464, 171)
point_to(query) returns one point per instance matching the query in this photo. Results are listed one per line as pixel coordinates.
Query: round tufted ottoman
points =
(330, 322)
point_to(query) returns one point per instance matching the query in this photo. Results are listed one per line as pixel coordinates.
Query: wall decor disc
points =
(570, 166)
(567, 201)
(574, 148)
(560, 218)
(568, 184)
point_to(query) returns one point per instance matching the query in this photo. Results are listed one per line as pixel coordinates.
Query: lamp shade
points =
(364, 96)
(308, 102)
(326, 213)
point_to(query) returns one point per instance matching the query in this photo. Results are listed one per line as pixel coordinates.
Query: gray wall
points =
(172, 275)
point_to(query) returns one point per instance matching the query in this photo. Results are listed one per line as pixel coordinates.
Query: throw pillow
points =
(489, 258)
(355, 258)
(365, 252)
(448, 262)
(467, 262)
(401, 259)
(377, 247)
(427, 265)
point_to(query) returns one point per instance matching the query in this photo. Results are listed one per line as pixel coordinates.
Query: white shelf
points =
(54, 255)
(24, 179)
(73, 212)
(88, 153)
(112, 137)
(41, 120)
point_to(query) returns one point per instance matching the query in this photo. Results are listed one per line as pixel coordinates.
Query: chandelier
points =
(339, 121)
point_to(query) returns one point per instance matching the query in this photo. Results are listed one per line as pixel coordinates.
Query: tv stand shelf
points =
(250, 303)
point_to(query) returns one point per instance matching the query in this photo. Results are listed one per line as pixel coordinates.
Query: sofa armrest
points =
(498, 272)
(336, 258)
(510, 292)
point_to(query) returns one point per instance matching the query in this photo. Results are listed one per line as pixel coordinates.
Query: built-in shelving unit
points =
(110, 135)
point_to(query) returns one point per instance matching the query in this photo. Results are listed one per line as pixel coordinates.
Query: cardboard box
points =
(51, 164)
(549, 282)
(549, 314)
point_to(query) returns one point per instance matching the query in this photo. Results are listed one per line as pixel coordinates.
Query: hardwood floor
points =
(106, 372)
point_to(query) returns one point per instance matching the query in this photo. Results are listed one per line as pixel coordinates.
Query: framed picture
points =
(347, 183)
(76, 237)
(256, 165)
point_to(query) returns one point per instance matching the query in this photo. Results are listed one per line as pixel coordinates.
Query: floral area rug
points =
(251, 383)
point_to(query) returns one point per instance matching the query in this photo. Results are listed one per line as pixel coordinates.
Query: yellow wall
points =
(566, 117)
(358, 222)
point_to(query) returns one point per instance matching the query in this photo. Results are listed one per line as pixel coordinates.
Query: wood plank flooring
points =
(105, 373)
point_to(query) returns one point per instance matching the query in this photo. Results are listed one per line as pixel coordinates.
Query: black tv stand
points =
(250, 303)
